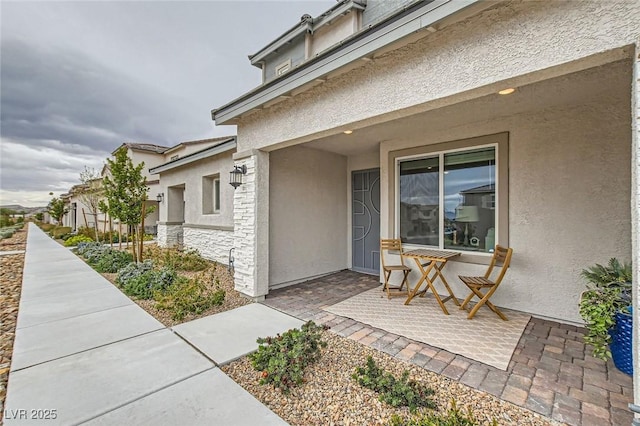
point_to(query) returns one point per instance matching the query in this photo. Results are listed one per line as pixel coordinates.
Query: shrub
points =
(189, 296)
(133, 270)
(46, 227)
(59, 231)
(76, 239)
(189, 260)
(84, 249)
(112, 260)
(395, 392)
(453, 417)
(145, 285)
(282, 359)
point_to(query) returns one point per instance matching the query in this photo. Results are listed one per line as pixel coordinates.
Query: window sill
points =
(475, 257)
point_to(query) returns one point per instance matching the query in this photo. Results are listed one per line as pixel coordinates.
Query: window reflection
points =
(469, 202)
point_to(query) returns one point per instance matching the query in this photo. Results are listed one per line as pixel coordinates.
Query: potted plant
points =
(606, 309)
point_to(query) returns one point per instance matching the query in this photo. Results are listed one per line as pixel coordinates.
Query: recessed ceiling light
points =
(507, 91)
(348, 132)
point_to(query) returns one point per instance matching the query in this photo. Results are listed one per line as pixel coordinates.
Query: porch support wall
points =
(168, 234)
(635, 219)
(251, 225)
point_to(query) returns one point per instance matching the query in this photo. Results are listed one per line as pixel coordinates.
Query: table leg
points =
(446, 284)
(425, 278)
(413, 293)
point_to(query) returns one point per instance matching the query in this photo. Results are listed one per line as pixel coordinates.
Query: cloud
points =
(60, 94)
(60, 110)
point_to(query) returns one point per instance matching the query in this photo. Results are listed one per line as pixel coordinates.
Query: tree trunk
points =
(110, 231)
(119, 235)
(144, 205)
(95, 225)
(134, 247)
(86, 225)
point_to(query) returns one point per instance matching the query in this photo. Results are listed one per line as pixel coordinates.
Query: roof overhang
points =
(419, 16)
(307, 25)
(228, 145)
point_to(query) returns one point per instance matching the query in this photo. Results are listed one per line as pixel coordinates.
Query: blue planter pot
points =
(621, 342)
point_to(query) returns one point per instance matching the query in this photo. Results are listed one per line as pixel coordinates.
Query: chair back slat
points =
(393, 244)
(501, 259)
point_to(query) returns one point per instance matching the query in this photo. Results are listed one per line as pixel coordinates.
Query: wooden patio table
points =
(428, 260)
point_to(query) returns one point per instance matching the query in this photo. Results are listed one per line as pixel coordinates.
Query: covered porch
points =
(550, 372)
(558, 191)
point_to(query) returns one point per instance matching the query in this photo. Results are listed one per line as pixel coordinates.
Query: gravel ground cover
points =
(10, 286)
(330, 396)
(232, 298)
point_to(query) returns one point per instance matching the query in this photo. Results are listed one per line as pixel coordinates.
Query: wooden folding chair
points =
(394, 245)
(501, 259)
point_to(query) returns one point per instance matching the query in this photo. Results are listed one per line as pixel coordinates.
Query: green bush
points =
(282, 359)
(453, 417)
(59, 231)
(133, 270)
(189, 260)
(112, 260)
(145, 285)
(76, 239)
(8, 231)
(87, 249)
(46, 227)
(395, 392)
(188, 296)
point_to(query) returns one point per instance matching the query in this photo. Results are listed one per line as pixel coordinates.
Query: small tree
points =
(126, 193)
(39, 216)
(56, 208)
(90, 193)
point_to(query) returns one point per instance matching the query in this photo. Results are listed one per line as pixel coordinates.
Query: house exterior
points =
(402, 113)
(196, 210)
(152, 155)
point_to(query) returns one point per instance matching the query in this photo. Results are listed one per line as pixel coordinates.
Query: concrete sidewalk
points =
(84, 352)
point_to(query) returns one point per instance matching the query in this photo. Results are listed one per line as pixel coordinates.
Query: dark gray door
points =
(365, 223)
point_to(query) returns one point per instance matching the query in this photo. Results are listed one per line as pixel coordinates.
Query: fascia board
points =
(408, 24)
(196, 156)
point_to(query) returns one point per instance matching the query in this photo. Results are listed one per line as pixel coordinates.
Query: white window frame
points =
(440, 155)
(209, 206)
(216, 200)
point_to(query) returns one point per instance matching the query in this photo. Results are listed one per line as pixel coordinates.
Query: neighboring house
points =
(152, 155)
(397, 113)
(196, 210)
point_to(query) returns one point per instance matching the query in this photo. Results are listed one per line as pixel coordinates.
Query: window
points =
(216, 195)
(211, 194)
(448, 199)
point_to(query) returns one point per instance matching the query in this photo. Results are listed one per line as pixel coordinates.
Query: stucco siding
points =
(329, 35)
(308, 214)
(295, 52)
(191, 176)
(514, 42)
(569, 186)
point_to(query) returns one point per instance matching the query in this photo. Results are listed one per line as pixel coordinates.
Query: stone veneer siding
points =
(168, 235)
(251, 225)
(212, 244)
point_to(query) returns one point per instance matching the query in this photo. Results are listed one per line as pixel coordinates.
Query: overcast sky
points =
(80, 78)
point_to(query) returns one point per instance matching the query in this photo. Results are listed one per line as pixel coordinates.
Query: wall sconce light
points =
(160, 197)
(235, 178)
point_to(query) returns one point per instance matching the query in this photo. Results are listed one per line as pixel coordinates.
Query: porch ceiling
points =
(611, 81)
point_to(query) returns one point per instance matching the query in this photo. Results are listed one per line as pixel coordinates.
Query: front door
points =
(365, 223)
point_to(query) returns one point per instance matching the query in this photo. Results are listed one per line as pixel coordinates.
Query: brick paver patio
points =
(551, 371)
